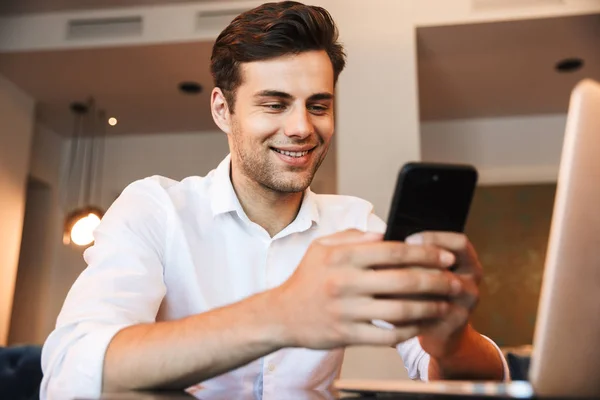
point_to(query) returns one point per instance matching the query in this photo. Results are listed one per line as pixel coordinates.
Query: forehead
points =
(297, 74)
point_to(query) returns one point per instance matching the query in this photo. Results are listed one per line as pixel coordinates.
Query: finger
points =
(456, 318)
(457, 243)
(405, 282)
(469, 296)
(390, 253)
(368, 334)
(350, 236)
(400, 312)
(453, 241)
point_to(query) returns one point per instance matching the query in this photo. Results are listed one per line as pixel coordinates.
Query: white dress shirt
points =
(166, 250)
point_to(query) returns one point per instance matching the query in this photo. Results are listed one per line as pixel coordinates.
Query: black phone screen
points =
(431, 197)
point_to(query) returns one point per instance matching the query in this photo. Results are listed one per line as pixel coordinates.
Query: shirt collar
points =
(223, 198)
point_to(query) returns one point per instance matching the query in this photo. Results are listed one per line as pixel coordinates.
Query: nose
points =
(298, 124)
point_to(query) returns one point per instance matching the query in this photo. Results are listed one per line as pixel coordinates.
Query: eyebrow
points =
(287, 96)
(321, 96)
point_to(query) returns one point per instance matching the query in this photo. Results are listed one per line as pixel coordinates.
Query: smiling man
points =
(244, 279)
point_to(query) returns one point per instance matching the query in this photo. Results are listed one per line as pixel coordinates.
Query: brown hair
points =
(268, 31)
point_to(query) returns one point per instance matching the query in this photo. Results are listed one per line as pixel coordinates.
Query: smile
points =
(295, 154)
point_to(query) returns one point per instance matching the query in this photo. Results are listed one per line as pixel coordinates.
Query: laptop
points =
(565, 358)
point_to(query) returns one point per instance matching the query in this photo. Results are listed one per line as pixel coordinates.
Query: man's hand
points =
(443, 337)
(457, 351)
(336, 291)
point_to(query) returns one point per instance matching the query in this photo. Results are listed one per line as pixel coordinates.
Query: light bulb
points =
(112, 121)
(83, 229)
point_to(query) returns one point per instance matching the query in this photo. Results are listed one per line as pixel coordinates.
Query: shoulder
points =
(162, 190)
(339, 204)
(347, 212)
(153, 198)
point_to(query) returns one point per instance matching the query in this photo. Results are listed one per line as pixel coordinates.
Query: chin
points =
(291, 188)
(289, 185)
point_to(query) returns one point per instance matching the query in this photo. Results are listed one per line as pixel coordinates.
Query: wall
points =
(32, 316)
(46, 156)
(377, 98)
(509, 226)
(28, 318)
(16, 130)
(173, 155)
(504, 150)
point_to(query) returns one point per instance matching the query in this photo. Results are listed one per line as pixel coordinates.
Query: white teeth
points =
(292, 153)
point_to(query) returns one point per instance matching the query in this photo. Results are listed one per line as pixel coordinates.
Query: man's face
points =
(282, 122)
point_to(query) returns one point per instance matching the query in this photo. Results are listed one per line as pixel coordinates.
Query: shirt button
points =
(271, 367)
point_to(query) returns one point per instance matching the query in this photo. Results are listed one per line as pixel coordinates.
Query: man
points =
(245, 279)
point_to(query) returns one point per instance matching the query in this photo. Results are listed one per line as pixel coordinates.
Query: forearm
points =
(475, 358)
(177, 354)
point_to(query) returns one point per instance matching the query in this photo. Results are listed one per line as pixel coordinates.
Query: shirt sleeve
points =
(122, 286)
(416, 360)
(375, 224)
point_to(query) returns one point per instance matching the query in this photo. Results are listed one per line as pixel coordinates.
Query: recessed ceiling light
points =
(569, 65)
(112, 121)
(190, 87)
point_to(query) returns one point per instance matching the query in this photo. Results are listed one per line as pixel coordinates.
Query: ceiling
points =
(466, 71)
(137, 85)
(10, 7)
(504, 68)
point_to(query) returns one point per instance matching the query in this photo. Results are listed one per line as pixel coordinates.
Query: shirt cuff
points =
(79, 373)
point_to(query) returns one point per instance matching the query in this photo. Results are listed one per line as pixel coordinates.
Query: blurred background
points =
(96, 94)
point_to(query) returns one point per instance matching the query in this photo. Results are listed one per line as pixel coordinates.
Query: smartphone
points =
(431, 197)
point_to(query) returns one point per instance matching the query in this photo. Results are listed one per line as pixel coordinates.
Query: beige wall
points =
(27, 324)
(16, 129)
(377, 99)
(377, 118)
(33, 314)
(175, 155)
(506, 150)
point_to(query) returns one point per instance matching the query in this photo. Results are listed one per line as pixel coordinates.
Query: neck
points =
(270, 209)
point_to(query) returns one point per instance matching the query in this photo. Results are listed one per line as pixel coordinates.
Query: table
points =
(285, 394)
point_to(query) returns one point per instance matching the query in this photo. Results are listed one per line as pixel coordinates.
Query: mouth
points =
(295, 154)
(299, 158)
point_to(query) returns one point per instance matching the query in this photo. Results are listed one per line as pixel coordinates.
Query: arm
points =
(471, 355)
(475, 358)
(107, 337)
(107, 327)
(321, 306)
(122, 286)
(456, 350)
(178, 354)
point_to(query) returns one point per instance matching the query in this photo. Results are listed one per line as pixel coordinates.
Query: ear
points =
(220, 110)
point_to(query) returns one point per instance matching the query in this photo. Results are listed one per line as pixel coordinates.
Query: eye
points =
(274, 107)
(318, 109)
